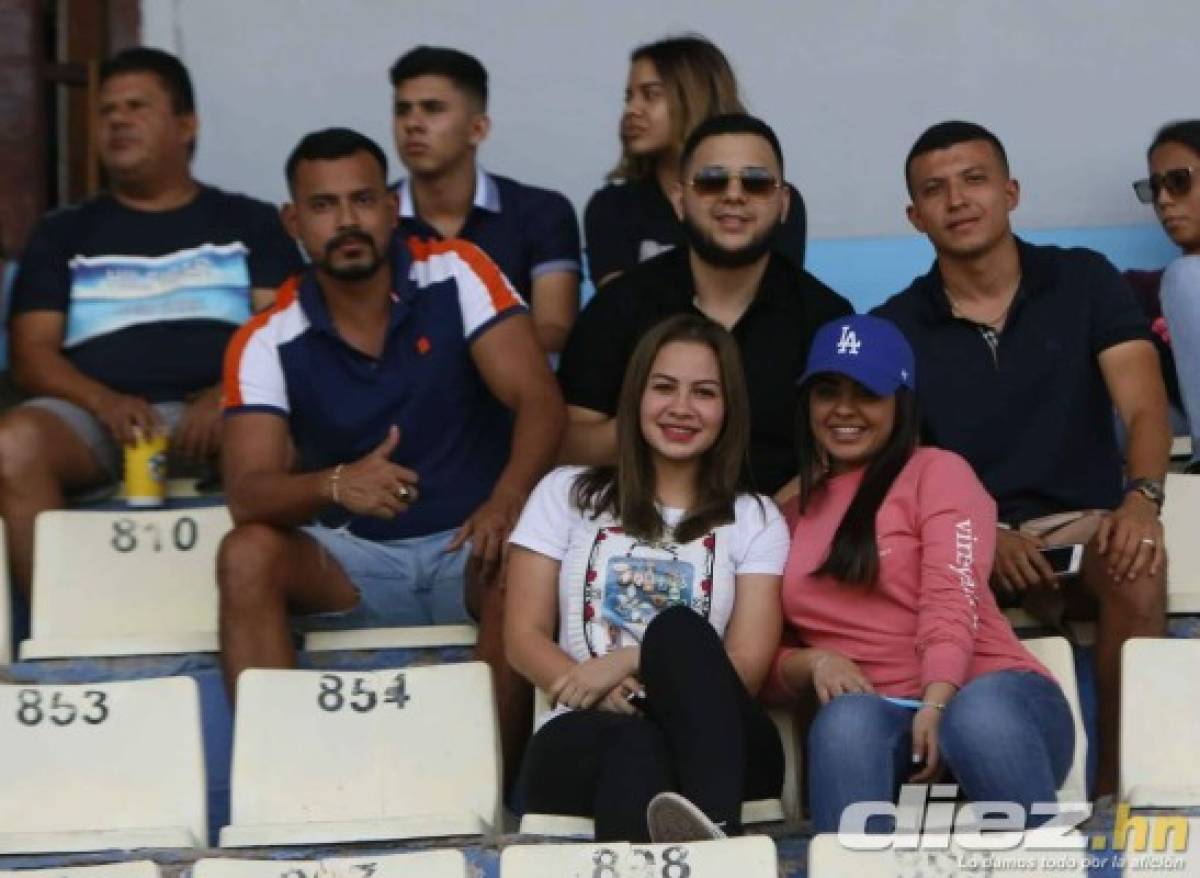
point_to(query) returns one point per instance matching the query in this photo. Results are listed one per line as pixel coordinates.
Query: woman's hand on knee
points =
(589, 682)
(833, 674)
(925, 756)
(621, 699)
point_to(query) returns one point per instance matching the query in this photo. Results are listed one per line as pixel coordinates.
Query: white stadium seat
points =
(1056, 654)
(752, 856)
(324, 757)
(1181, 447)
(132, 869)
(415, 637)
(1160, 723)
(424, 864)
(786, 808)
(1039, 855)
(5, 602)
(102, 765)
(126, 582)
(1181, 513)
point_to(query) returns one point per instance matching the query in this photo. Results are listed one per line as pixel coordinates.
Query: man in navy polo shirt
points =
(440, 118)
(389, 414)
(1023, 352)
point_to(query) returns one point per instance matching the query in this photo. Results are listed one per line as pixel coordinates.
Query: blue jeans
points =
(412, 581)
(1007, 736)
(1180, 296)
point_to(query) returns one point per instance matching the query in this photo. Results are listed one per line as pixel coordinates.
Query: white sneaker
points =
(672, 818)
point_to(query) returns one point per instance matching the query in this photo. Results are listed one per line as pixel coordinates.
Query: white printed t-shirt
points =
(610, 585)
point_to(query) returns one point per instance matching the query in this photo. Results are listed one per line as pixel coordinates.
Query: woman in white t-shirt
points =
(644, 600)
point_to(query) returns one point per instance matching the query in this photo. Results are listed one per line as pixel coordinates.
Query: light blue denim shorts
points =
(412, 581)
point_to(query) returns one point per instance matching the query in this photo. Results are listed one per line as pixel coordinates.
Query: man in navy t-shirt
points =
(440, 118)
(123, 304)
(1022, 354)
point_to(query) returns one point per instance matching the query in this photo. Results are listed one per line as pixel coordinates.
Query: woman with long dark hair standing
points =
(644, 600)
(886, 587)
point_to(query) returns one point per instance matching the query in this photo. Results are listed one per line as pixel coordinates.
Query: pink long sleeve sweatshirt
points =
(931, 617)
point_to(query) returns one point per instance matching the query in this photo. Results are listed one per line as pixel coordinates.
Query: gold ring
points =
(1148, 541)
(403, 492)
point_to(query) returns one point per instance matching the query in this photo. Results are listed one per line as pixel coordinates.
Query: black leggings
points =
(701, 735)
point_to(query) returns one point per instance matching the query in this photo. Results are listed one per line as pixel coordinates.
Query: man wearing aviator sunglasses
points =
(714, 180)
(731, 200)
(1172, 300)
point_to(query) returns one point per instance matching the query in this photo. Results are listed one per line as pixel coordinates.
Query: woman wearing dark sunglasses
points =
(674, 84)
(1174, 190)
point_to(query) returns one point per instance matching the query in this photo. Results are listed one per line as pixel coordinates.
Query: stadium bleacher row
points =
(116, 738)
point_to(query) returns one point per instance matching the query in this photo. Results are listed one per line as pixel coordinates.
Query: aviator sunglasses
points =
(715, 179)
(1177, 182)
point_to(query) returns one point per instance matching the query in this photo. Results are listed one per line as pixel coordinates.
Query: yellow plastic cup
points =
(146, 471)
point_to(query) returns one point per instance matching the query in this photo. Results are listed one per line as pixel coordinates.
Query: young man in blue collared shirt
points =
(385, 419)
(439, 120)
(1023, 352)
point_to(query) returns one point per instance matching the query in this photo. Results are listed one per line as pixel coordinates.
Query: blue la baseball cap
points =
(868, 349)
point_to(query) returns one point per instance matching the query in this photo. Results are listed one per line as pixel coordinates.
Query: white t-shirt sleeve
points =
(545, 523)
(761, 536)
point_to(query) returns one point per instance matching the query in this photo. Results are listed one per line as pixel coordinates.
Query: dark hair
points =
(730, 123)
(332, 143)
(627, 490)
(462, 69)
(1185, 132)
(169, 70)
(854, 555)
(944, 135)
(699, 82)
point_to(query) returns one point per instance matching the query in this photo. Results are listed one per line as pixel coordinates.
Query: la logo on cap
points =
(848, 343)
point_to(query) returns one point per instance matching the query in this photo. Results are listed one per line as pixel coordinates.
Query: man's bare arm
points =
(261, 298)
(40, 368)
(554, 305)
(514, 368)
(1134, 379)
(255, 453)
(590, 439)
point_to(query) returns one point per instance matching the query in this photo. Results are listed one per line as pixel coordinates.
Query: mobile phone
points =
(910, 703)
(1064, 560)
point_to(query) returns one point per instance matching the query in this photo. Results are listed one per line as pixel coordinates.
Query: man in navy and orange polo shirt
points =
(384, 420)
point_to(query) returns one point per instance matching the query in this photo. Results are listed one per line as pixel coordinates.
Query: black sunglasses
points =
(1177, 181)
(715, 179)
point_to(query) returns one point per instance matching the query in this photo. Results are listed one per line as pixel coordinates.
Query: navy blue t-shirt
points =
(526, 230)
(1034, 418)
(152, 298)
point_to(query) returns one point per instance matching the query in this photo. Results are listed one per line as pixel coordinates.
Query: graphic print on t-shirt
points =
(109, 293)
(629, 582)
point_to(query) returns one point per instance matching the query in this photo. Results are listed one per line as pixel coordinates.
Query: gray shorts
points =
(412, 581)
(92, 432)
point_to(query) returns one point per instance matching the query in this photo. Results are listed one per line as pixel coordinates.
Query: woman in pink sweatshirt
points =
(886, 587)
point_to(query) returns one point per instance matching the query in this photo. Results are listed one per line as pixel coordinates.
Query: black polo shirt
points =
(773, 334)
(630, 222)
(1035, 418)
